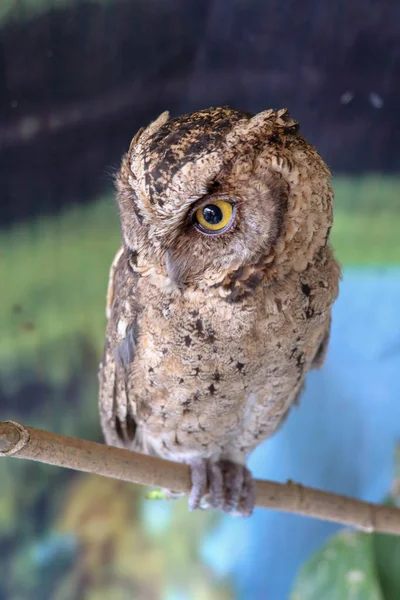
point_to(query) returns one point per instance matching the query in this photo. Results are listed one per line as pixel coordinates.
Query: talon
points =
(222, 484)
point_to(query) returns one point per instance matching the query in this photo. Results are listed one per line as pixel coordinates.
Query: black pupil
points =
(212, 214)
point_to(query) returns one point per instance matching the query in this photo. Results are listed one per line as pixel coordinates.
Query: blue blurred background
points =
(77, 79)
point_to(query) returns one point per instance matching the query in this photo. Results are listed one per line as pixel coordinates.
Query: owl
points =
(219, 298)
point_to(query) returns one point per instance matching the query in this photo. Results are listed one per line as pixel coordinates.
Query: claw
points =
(222, 484)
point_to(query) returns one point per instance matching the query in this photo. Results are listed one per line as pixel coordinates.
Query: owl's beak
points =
(175, 270)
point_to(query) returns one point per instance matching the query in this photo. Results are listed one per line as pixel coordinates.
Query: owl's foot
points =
(223, 484)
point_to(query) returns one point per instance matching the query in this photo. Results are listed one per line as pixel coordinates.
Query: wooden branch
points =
(34, 444)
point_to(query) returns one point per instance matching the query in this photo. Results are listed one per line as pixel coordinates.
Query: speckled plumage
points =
(209, 338)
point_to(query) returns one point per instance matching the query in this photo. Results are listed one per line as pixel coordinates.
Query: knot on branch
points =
(13, 438)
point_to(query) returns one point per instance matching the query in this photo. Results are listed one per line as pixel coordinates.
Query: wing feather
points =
(116, 409)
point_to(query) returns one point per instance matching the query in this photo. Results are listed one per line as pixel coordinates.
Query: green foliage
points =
(387, 557)
(352, 566)
(343, 569)
(158, 494)
(369, 194)
(56, 271)
(387, 547)
(366, 239)
(366, 228)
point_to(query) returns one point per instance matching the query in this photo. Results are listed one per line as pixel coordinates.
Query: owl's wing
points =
(116, 411)
(324, 271)
(320, 356)
(111, 278)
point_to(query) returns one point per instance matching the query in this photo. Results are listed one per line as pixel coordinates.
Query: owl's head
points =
(208, 194)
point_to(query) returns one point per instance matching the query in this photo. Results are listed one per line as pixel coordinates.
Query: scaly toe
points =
(233, 483)
(215, 496)
(248, 496)
(199, 483)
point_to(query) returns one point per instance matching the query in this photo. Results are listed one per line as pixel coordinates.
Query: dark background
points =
(77, 82)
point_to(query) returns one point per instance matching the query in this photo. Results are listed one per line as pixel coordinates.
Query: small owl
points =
(219, 299)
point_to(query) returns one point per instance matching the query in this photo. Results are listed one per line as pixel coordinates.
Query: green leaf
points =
(157, 494)
(387, 559)
(343, 569)
(387, 547)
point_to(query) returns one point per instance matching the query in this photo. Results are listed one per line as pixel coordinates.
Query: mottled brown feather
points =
(209, 339)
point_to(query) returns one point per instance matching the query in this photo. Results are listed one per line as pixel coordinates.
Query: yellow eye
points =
(214, 217)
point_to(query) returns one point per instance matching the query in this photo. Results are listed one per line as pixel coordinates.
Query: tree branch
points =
(34, 444)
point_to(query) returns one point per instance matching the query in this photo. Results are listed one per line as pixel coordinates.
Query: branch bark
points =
(62, 451)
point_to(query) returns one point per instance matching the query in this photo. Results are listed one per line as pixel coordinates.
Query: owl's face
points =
(206, 194)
